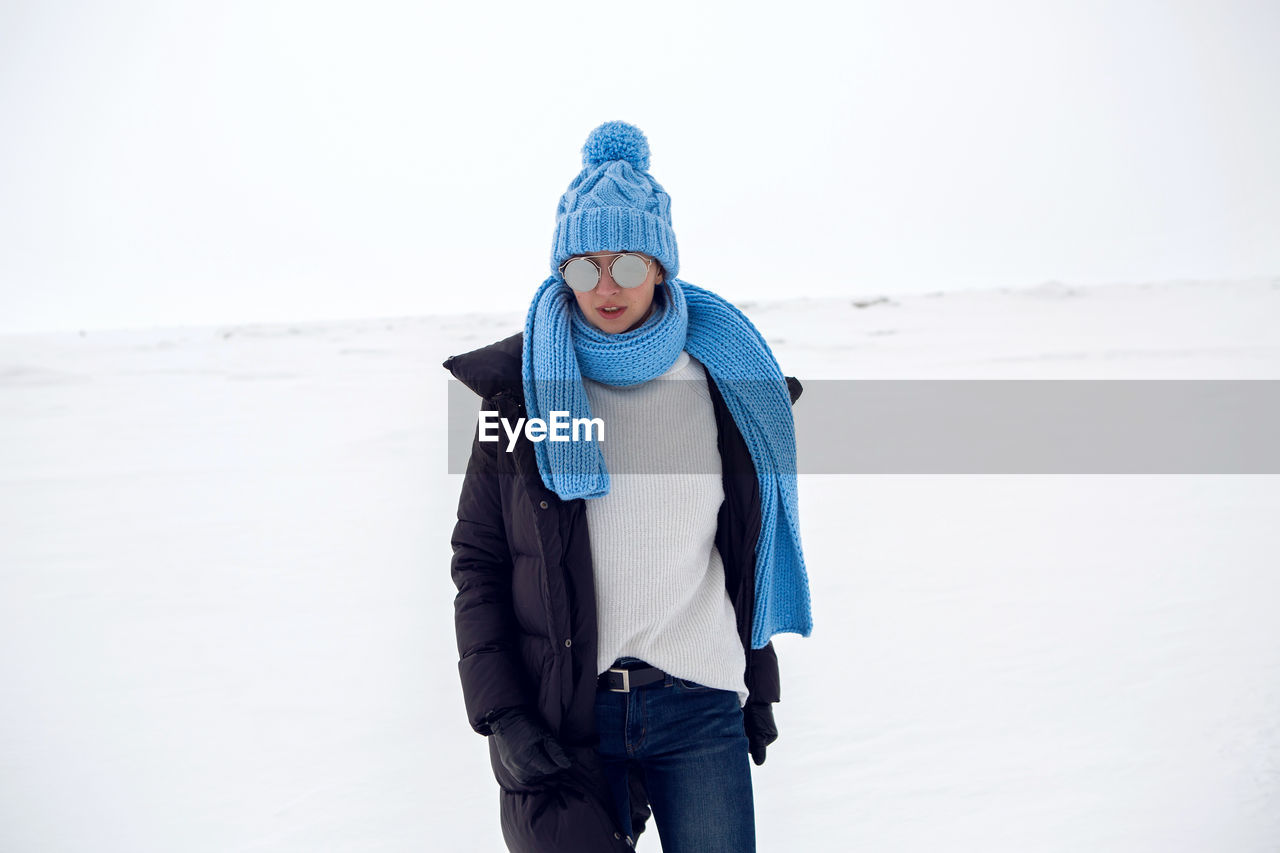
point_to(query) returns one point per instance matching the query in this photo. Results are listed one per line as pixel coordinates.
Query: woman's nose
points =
(606, 284)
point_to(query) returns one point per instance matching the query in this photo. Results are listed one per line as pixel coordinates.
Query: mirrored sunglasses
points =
(627, 268)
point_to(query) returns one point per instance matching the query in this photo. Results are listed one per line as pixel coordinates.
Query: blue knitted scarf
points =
(561, 347)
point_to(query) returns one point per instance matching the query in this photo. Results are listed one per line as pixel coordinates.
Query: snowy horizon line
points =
(864, 299)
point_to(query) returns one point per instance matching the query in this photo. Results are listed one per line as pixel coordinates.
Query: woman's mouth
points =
(611, 311)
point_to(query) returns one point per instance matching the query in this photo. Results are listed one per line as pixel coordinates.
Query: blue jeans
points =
(689, 742)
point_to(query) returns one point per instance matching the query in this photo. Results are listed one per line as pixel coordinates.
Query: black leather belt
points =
(619, 679)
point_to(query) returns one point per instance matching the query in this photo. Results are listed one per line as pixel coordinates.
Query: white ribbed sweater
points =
(660, 593)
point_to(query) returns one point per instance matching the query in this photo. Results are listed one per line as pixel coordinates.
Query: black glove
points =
(526, 748)
(757, 719)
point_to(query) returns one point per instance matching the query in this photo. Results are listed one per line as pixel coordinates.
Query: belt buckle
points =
(626, 680)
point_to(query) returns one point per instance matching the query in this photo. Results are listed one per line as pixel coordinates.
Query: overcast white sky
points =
(175, 163)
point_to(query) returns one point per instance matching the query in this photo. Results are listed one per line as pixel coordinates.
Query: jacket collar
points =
(491, 370)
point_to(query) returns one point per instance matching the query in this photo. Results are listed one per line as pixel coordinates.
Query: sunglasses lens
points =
(629, 270)
(581, 274)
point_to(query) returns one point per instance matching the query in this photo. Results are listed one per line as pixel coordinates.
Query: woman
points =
(627, 671)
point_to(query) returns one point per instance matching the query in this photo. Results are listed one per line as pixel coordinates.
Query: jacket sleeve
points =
(762, 665)
(483, 612)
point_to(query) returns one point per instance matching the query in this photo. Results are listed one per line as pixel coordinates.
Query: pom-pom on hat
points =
(614, 204)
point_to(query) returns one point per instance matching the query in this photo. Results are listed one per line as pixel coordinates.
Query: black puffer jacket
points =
(526, 618)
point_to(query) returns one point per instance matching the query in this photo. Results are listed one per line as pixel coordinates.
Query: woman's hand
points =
(526, 748)
(757, 719)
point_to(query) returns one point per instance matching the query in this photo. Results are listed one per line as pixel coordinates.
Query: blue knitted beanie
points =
(615, 205)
